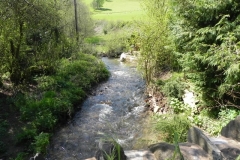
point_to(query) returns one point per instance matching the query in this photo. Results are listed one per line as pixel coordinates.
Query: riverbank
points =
(31, 115)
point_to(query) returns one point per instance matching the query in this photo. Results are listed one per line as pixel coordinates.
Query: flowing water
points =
(115, 109)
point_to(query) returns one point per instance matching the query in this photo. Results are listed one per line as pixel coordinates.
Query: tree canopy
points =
(34, 35)
(208, 43)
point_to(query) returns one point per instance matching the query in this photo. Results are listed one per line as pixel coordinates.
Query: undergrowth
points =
(181, 116)
(168, 125)
(55, 99)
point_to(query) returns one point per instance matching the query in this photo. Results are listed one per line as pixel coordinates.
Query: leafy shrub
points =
(41, 142)
(174, 87)
(227, 114)
(46, 82)
(92, 40)
(21, 156)
(212, 120)
(208, 40)
(44, 121)
(26, 135)
(178, 106)
(208, 121)
(59, 94)
(116, 45)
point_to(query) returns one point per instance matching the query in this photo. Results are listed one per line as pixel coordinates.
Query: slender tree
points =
(76, 19)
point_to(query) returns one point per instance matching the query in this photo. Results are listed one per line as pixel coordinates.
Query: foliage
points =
(226, 115)
(97, 4)
(25, 42)
(174, 87)
(115, 39)
(30, 48)
(212, 120)
(177, 147)
(238, 158)
(178, 106)
(21, 156)
(115, 151)
(157, 51)
(26, 135)
(116, 45)
(41, 142)
(93, 40)
(56, 98)
(169, 125)
(207, 38)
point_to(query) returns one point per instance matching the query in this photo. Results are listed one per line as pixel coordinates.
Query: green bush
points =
(178, 106)
(207, 120)
(227, 114)
(56, 97)
(41, 142)
(212, 120)
(174, 87)
(21, 156)
(116, 45)
(44, 121)
(93, 40)
(46, 83)
(26, 135)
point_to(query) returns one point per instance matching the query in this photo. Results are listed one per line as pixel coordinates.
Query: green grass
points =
(124, 10)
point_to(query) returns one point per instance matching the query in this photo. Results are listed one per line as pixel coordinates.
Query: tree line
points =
(198, 38)
(34, 35)
(46, 70)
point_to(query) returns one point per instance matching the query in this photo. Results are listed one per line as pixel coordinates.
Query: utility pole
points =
(76, 19)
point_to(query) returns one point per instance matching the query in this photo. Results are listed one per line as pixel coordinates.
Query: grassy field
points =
(118, 10)
(115, 24)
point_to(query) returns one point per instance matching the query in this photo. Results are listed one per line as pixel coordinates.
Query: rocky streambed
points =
(114, 109)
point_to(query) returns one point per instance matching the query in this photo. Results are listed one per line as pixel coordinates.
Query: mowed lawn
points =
(115, 10)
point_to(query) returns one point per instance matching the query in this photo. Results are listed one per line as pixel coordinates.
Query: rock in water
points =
(110, 148)
(123, 57)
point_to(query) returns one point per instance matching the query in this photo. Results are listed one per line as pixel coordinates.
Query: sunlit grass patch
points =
(125, 10)
(123, 16)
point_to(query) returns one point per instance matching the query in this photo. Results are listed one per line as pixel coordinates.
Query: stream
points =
(115, 109)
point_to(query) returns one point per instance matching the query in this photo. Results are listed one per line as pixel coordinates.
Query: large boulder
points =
(196, 136)
(232, 129)
(163, 151)
(110, 148)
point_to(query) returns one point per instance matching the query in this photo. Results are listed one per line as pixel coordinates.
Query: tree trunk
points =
(76, 20)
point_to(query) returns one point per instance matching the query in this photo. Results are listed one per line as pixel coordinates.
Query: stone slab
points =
(139, 155)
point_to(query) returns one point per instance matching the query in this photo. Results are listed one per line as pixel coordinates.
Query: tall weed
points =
(168, 125)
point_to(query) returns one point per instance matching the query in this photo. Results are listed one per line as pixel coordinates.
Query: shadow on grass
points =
(103, 9)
